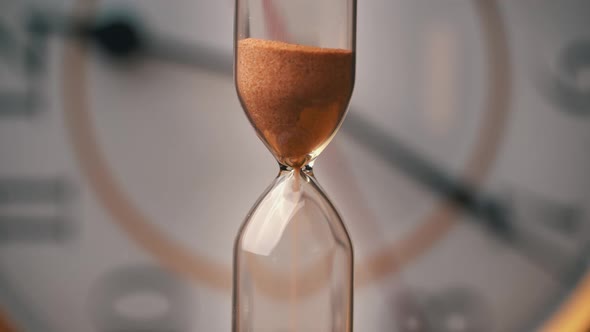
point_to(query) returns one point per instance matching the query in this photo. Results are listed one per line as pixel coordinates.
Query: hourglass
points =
(294, 74)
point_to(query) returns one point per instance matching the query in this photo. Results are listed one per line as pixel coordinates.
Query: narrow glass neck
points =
(306, 169)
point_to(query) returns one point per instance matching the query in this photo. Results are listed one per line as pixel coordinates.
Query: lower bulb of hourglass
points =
(293, 261)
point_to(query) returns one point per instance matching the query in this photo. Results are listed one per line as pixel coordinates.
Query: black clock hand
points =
(540, 230)
(389, 148)
(122, 39)
(400, 156)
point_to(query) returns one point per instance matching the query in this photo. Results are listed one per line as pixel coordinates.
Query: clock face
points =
(123, 185)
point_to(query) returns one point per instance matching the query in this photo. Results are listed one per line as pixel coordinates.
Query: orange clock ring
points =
(202, 269)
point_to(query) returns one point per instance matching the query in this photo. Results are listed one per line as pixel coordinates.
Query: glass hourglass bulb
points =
(294, 74)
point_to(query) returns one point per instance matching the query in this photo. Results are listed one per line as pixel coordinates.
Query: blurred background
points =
(461, 171)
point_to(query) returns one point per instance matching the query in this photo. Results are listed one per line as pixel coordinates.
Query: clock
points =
(460, 170)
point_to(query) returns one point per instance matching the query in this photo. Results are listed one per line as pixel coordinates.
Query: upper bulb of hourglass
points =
(294, 90)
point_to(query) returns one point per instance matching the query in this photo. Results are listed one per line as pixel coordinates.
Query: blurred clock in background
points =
(127, 165)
